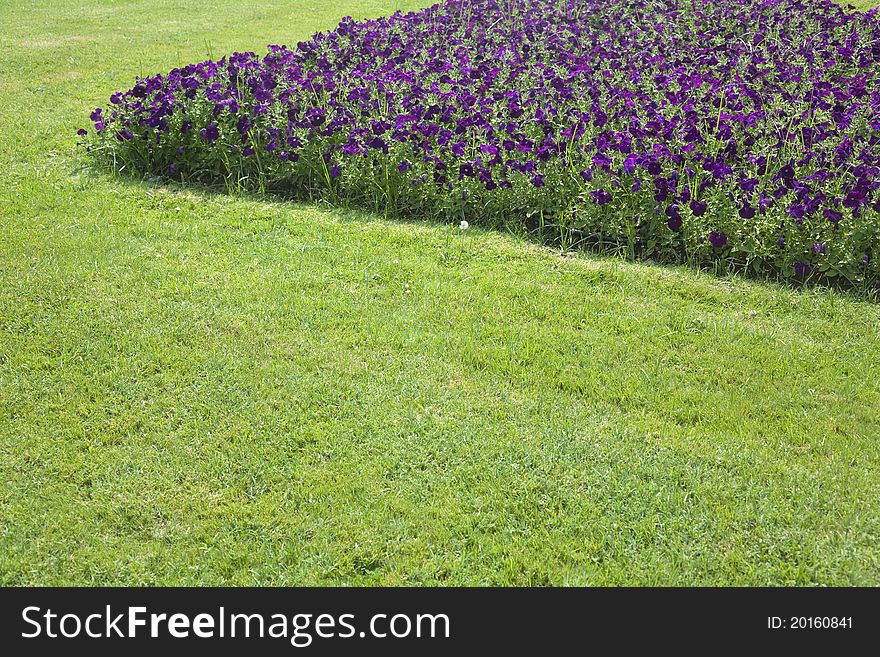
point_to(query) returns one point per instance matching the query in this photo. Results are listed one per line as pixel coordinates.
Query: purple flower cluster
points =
(739, 131)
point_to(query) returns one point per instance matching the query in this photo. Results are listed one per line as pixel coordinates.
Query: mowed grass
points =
(199, 388)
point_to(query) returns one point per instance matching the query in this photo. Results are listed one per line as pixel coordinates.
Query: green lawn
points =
(206, 389)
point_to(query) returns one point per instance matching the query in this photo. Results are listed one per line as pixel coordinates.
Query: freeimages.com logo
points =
(300, 629)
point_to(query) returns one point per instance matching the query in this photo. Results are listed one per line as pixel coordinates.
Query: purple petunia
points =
(802, 269)
(698, 208)
(244, 125)
(718, 239)
(601, 196)
(210, 132)
(748, 185)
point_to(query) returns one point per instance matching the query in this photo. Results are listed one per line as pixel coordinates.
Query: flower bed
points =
(725, 132)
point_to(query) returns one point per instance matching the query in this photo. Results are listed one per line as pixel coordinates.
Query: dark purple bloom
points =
(748, 185)
(747, 211)
(316, 116)
(538, 180)
(854, 199)
(601, 196)
(718, 239)
(244, 125)
(834, 216)
(802, 269)
(786, 175)
(602, 161)
(210, 132)
(821, 248)
(698, 208)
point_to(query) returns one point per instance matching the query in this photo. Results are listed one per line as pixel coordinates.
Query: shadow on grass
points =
(566, 240)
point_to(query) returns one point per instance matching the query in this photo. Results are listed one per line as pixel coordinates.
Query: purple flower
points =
(718, 239)
(210, 132)
(316, 116)
(335, 170)
(802, 269)
(602, 161)
(698, 208)
(404, 166)
(601, 196)
(244, 125)
(747, 211)
(748, 185)
(833, 216)
(538, 180)
(821, 248)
